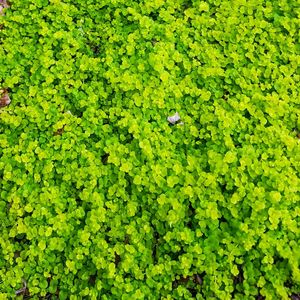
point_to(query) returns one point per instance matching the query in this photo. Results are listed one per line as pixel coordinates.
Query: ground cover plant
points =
(105, 193)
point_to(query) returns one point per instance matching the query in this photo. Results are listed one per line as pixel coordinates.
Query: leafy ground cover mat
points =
(149, 149)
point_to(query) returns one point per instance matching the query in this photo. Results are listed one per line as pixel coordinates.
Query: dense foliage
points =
(102, 198)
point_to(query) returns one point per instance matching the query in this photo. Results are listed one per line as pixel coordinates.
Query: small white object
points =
(181, 123)
(174, 119)
(68, 112)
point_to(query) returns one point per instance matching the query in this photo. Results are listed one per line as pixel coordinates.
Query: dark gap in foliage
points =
(269, 122)
(288, 284)
(94, 48)
(77, 112)
(225, 95)
(295, 296)
(8, 204)
(260, 297)
(78, 200)
(158, 226)
(126, 240)
(240, 277)
(51, 296)
(190, 281)
(151, 120)
(297, 133)
(238, 145)
(213, 41)
(223, 187)
(94, 138)
(222, 219)
(193, 292)
(278, 259)
(227, 216)
(175, 255)
(191, 214)
(154, 15)
(187, 4)
(284, 31)
(20, 237)
(154, 41)
(25, 294)
(117, 259)
(129, 184)
(105, 121)
(17, 254)
(47, 19)
(104, 158)
(56, 82)
(247, 114)
(48, 296)
(154, 247)
(129, 138)
(181, 280)
(59, 131)
(92, 280)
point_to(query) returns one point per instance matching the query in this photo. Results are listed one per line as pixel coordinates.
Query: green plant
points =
(100, 197)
